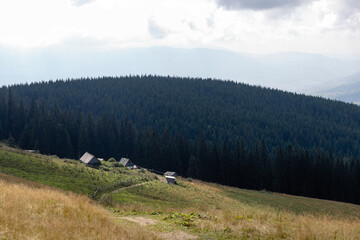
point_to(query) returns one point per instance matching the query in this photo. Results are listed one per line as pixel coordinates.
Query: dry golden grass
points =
(253, 223)
(16, 180)
(224, 216)
(266, 222)
(30, 210)
(43, 213)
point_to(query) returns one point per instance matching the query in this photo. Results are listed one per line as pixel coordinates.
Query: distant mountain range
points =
(345, 89)
(286, 71)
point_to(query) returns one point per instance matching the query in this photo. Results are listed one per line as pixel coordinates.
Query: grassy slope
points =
(220, 212)
(202, 209)
(295, 204)
(201, 195)
(64, 173)
(30, 210)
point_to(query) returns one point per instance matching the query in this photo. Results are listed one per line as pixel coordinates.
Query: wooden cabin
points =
(89, 159)
(170, 179)
(172, 174)
(127, 163)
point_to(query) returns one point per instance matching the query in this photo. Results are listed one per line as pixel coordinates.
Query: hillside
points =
(218, 212)
(222, 132)
(155, 210)
(66, 174)
(34, 211)
(223, 111)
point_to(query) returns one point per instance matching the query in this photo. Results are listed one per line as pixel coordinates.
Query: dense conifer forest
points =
(225, 132)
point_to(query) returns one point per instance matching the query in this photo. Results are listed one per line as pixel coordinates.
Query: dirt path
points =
(141, 220)
(120, 189)
(175, 235)
(161, 178)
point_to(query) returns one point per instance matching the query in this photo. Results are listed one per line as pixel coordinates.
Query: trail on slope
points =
(103, 196)
(175, 235)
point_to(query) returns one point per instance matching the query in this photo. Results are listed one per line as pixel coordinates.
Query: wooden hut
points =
(127, 163)
(89, 159)
(170, 179)
(172, 174)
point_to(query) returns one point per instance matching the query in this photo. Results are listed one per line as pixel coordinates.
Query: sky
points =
(329, 27)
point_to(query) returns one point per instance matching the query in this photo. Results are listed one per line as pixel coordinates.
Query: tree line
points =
(287, 169)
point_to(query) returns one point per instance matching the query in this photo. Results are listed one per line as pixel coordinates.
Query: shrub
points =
(116, 164)
(111, 159)
(105, 168)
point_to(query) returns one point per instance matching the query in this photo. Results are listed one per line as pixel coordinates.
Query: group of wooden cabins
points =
(90, 159)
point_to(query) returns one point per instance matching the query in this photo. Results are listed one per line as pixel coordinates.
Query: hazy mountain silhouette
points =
(288, 71)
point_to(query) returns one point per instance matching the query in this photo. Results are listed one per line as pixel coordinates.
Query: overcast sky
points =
(249, 26)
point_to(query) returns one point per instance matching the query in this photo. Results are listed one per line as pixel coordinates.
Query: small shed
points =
(89, 159)
(170, 179)
(172, 174)
(127, 163)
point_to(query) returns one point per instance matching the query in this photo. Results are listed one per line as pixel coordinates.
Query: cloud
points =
(155, 30)
(81, 2)
(349, 7)
(353, 3)
(210, 21)
(260, 4)
(192, 26)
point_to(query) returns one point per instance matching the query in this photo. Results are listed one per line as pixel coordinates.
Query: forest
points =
(218, 131)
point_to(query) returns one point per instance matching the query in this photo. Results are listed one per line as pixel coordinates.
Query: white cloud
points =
(256, 26)
(259, 4)
(348, 12)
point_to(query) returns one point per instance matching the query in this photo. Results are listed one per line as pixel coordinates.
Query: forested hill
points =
(222, 110)
(224, 132)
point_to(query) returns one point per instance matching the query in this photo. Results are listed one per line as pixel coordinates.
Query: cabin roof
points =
(170, 177)
(125, 161)
(168, 173)
(87, 157)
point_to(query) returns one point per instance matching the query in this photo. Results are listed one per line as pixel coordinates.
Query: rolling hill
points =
(223, 132)
(220, 110)
(153, 209)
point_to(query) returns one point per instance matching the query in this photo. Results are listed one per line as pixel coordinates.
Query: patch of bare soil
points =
(177, 235)
(141, 220)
